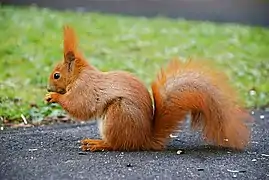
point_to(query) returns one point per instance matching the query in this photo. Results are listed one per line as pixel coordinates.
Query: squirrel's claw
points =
(94, 145)
(90, 141)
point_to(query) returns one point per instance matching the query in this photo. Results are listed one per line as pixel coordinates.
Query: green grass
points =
(31, 43)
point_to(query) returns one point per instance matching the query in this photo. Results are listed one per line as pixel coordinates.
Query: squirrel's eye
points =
(56, 75)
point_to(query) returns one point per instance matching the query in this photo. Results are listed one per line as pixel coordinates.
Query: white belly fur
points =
(100, 123)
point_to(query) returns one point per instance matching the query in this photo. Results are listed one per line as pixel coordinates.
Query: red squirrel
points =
(130, 119)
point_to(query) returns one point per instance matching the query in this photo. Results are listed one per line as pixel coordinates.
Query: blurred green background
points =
(31, 43)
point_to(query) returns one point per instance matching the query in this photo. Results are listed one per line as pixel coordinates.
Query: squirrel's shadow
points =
(202, 150)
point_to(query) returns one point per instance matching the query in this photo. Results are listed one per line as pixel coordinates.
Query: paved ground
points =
(52, 153)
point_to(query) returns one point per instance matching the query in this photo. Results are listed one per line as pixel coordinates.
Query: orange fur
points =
(123, 105)
(195, 87)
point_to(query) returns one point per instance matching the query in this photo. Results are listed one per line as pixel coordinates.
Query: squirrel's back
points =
(108, 86)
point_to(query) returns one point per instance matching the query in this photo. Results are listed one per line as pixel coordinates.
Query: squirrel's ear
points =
(70, 44)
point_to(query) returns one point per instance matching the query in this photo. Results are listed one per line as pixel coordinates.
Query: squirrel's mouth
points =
(60, 91)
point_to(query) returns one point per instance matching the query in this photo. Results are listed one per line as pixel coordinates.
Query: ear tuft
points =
(70, 44)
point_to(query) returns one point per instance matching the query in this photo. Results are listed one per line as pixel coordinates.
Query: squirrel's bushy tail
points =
(196, 88)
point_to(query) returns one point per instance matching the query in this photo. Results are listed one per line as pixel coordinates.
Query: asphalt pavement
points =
(52, 152)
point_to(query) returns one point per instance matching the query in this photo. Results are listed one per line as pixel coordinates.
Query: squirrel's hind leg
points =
(127, 127)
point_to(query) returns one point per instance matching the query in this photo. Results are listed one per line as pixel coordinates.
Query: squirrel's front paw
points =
(51, 97)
